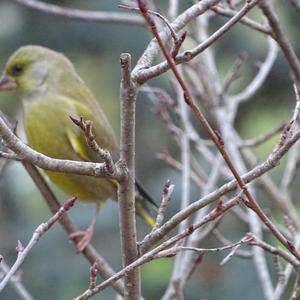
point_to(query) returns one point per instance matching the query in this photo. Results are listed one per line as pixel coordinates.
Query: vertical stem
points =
(281, 38)
(126, 191)
(175, 284)
(173, 9)
(185, 156)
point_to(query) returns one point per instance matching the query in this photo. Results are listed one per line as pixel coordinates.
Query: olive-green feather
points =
(52, 91)
(41, 119)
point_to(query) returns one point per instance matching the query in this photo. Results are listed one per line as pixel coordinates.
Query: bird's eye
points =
(17, 70)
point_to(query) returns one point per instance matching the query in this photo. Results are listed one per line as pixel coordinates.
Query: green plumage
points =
(51, 92)
(56, 143)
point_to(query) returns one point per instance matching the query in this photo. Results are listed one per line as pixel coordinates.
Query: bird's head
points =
(34, 70)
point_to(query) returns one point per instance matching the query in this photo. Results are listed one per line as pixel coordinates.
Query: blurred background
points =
(53, 270)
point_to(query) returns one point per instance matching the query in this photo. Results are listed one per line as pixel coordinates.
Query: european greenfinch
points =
(51, 91)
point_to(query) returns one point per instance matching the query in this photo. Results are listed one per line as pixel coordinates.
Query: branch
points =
(158, 15)
(250, 202)
(174, 250)
(126, 189)
(281, 286)
(260, 77)
(240, 253)
(186, 266)
(38, 233)
(15, 282)
(257, 141)
(254, 241)
(166, 197)
(86, 126)
(296, 3)
(152, 254)
(173, 8)
(140, 71)
(145, 74)
(25, 153)
(227, 12)
(281, 39)
(104, 269)
(292, 167)
(82, 15)
(270, 163)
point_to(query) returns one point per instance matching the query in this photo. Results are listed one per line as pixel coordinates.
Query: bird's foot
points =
(82, 238)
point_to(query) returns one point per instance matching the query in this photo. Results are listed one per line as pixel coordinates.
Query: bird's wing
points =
(105, 138)
(101, 129)
(77, 145)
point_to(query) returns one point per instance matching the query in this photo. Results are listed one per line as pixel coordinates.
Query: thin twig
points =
(257, 141)
(250, 202)
(227, 12)
(104, 269)
(296, 289)
(176, 165)
(281, 38)
(256, 172)
(235, 71)
(151, 254)
(158, 15)
(254, 241)
(292, 166)
(261, 75)
(38, 233)
(282, 284)
(86, 126)
(140, 72)
(166, 197)
(187, 55)
(82, 15)
(16, 282)
(174, 250)
(240, 253)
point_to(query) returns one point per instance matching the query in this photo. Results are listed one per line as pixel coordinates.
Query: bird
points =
(52, 92)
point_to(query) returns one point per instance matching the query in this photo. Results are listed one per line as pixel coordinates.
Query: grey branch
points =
(24, 152)
(141, 73)
(126, 188)
(82, 15)
(104, 269)
(15, 282)
(227, 12)
(281, 38)
(38, 233)
(170, 242)
(256, 172)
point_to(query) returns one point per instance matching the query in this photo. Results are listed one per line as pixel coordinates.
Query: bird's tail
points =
(142, 204)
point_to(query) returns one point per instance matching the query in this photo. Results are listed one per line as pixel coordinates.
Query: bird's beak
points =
(7, 83)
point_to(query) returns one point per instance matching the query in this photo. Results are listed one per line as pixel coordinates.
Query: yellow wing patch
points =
(148, 219)
(114, 181)
(77, 145)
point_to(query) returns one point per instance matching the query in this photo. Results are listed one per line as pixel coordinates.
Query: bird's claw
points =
(82, 238)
